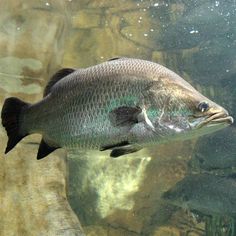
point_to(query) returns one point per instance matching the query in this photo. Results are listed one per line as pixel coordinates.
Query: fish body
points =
(123, 104)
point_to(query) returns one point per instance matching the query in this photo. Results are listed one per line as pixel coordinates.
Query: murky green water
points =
(182, 188)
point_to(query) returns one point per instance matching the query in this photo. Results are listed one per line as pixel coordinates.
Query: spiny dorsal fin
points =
(114, 58)
(56, 77)
(117, 58)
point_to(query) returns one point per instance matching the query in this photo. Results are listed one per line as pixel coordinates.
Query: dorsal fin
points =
(56, 77)
(114, 58)
(117, 58)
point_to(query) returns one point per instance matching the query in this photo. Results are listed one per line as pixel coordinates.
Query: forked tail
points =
(10, 115)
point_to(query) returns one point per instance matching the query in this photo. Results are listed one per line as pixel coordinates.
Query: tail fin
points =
(10, 115)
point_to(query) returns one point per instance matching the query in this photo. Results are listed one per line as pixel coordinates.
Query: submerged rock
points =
(205, 193)
(125, 193)
(14, 77)
(85, 19)
(31, 43)
(209, 29)
(216, 153)
(32, 193)
(110, 197)
(199, 23)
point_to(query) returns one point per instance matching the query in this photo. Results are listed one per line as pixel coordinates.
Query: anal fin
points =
(44, 150)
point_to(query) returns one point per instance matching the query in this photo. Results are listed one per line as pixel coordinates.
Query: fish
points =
(121, 105)
(205, 193)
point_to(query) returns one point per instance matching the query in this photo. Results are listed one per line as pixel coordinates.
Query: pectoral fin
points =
(128, 116)
(124, 116)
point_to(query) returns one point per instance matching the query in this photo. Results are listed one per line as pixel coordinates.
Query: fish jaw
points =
(213, 120)
(220, 118)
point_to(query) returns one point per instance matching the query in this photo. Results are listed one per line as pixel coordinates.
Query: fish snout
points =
(219, 114)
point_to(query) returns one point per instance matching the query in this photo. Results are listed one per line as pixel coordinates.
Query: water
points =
(182, 188)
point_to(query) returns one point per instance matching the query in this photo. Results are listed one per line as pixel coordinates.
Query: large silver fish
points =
(123, 104)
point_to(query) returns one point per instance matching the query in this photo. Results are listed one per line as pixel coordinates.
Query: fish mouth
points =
(219, 118)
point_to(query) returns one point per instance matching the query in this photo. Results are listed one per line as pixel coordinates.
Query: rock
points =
(139, 28)
(219, 54)
(74, 6)
(110, 197)
(32, 193)
(119, 34)
(216, 153)
(229, 85)
(95, 231)
(208, 29)
(89, 47)
(89, 18)
(119, 193)
(41, 45)
(125, 5)
(13, 80)
(206, 193)
(140, 37)
(187, 222)
(107, 231)
(196, 24)
(167, 231)
(159, 57)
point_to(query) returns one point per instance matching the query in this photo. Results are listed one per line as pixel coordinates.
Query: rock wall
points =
(110, 197)
(33, 197)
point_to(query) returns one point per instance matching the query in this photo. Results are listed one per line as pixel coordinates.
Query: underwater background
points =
(177, 189)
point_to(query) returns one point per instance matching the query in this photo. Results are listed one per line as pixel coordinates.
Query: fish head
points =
(205, 116)
(209, 116)
(184, 110)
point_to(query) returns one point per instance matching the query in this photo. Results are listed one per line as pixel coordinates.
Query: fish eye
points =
(203, 106)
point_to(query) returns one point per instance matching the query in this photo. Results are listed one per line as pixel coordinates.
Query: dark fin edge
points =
(111, 146)
(114, 58)
(44, 150)
(117, 58)
(120, 151)
(10, 116)
(55, 78)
